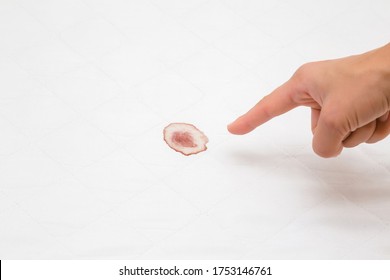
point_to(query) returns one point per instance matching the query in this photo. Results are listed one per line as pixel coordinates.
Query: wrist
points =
(386, 62)
(380, 64)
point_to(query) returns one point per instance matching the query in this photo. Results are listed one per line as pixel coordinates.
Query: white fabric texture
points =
(86, 88)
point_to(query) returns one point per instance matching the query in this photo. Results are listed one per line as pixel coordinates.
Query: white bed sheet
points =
(86, 88)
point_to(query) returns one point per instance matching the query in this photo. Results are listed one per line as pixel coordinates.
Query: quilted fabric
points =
(86, 88)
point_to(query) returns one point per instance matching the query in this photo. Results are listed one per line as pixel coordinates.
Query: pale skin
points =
(349, 100)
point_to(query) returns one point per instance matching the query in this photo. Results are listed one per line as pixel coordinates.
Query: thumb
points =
(328, 135)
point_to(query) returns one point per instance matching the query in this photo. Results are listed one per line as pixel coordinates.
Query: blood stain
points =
(185, 138)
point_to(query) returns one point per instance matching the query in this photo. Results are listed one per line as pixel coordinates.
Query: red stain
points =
(185, 138)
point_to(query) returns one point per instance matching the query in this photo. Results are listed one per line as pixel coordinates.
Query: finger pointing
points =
(278, 102)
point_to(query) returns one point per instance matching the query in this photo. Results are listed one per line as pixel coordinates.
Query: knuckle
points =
(306, 75)
(332, 121)
(267, 112)
(380, 133)
(304, 70)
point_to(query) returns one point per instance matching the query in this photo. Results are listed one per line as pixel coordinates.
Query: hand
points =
(349, 100)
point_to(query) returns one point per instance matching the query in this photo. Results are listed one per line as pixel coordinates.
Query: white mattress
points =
(86, 88)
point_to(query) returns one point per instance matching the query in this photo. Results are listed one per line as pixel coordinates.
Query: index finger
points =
(276, 103)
